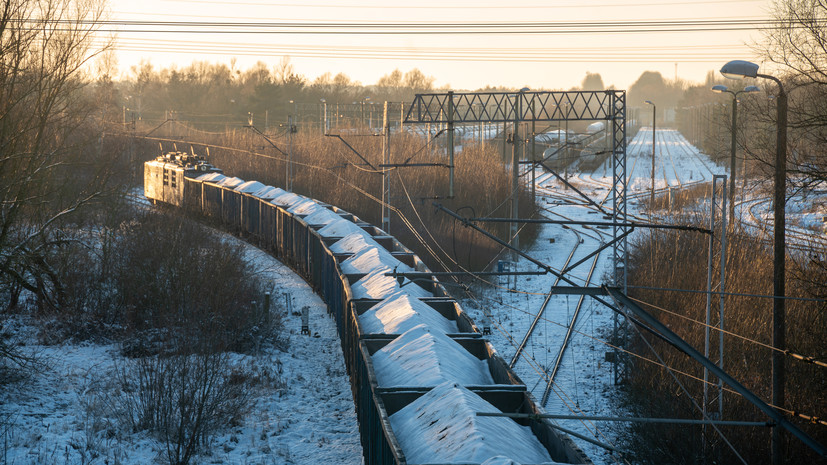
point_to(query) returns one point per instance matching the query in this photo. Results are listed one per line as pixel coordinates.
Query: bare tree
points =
(44, 123)
(798, 45)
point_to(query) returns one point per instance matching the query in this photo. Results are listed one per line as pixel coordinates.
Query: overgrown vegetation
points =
(213, 93)
(669, 260)
(324, 168)
(151, 277)
(53, 164)
(183, 399)
(672, 260)
(174, 275)
(178, 298)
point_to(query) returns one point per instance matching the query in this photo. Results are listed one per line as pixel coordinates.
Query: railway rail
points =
(420, 369)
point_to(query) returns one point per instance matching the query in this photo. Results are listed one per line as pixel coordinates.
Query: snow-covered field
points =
(306, 419)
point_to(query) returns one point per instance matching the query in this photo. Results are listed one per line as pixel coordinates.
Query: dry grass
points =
(326, 169)
(672, 260)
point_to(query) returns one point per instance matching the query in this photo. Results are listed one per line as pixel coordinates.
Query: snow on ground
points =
(584, 382)
(44, 420)
(313, 422)
(677, 163)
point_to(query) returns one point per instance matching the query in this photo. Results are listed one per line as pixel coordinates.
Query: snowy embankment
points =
(301, 413)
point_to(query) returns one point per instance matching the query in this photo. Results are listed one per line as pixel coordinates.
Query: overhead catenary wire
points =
(529, 357)
(803, 358)
(533, 363)
(609, 345)
(732, 294)
(688, 396)
(536, 366)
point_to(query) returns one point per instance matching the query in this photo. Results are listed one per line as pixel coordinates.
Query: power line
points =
(701, 48)
(578, 5)
(734, 294)
(800, 357)
(456, 58)
(667, 23)
(420, 28)
(437, 52)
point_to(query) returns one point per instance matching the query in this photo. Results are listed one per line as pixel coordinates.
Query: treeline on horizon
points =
(220, 91)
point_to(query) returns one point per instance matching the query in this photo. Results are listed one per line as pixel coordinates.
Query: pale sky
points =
(506, 52)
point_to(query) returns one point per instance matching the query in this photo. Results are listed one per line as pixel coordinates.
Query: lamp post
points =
(739, 69)
(654, 121)
(723, 89)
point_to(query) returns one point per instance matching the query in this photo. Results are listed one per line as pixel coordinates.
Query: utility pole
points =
(450, 117)
(386, 182)
(505, 139)
(323, 117)
(566, 159)
(722, 260)
(738, 69)
(515, 178)
(654, 122)
(733, 146)
(533, 154)
(288, 174)
(779, 265)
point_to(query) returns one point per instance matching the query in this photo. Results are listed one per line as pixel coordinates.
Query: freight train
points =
(420, 368)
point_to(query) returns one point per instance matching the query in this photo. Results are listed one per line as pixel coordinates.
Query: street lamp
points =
(723, 89)
(739, 69)
(654, 121)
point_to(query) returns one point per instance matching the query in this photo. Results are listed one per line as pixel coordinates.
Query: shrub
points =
(175, 276)
(324, 168)
(678, 261)
(182, 399)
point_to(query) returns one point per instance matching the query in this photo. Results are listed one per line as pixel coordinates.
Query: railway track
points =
(387, 324)
(797, 238)
(672, 158)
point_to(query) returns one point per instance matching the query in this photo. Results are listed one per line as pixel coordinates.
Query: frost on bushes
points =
(183, 400)
(174, 276)
(151, 276)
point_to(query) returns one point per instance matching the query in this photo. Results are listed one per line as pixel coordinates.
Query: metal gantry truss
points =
(499, 107)
(610, 106)
(517, 107)
(450, 108)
